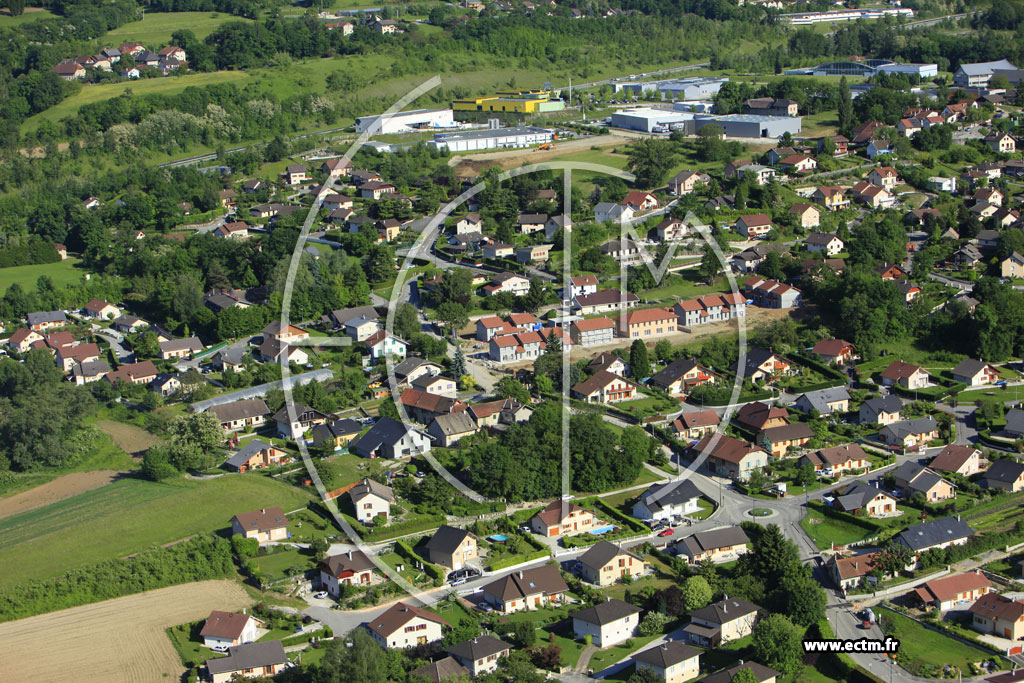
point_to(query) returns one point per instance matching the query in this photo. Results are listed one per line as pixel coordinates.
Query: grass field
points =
(127, 516)
(825, 531)
(61, 272)
(104, 91)
(30, 14)
(922, 650)
(155, 29)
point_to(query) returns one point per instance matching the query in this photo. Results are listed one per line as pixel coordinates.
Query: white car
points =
(320, 595)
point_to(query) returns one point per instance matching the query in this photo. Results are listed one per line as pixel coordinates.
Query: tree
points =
(639, 363)
(649, 160)
(509, 387)
(534, 298)
(193, 439)
(458, 368)
(806, 475)
(645, 674)
(773, 556)
(776, 642)
(388, 409)
(744, 675)
(453, 315)
(652, 623)
(156, 464)
(828, 145)
(524, 634)
(362, 661)
(696, 593)
(407, 320)
(709, 266)
(663, 350)
(802, 598)
(16, 7)
(711, 145)
(845, 108)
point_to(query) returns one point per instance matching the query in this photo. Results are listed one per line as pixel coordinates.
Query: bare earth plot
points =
(475, 164)
(60, 488)
(115, 641)
(129, 438)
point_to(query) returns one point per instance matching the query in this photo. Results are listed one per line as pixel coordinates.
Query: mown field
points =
(62, 273)
(126, 516)
(155, 29)
(30, 14)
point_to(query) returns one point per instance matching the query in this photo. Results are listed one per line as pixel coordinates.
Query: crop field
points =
(126, 516)
(155, 29)
(115, 640)
(61, 272)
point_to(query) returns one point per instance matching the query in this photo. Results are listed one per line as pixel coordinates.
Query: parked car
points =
(666, 532)
(320, 595)
(457, 582)
(483, 607)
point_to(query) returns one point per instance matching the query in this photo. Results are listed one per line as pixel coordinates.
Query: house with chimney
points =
(722, 622)
(222, 630)
(605, 563)
(403, 625)
(607, 623)
(952, 592)
(561, 518)
(717, 546)
(526, 589)
(265, 525)
(352, 568)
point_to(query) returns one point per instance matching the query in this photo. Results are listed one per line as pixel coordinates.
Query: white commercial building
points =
(407, 121)
(696, 88)
(648, 120)
(805, 18)
(492, 138)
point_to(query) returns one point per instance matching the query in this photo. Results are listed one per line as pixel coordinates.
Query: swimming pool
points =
(498, 538)
(601, 530)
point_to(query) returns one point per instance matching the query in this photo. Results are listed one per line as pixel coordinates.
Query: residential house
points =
(1012, 266)
(860, 496)
(371, 499)
(1007, 475)
(501, 411)
(879, 148)
(836, 460)
(826, 243)
(730, 457)
(999, 615)
(690, 426)
(832, 197)
(935, 533)
(722, 622)
(639, 201)
(807, 216)
(352, 568)
(758, 416)
(756, 226)
(799, 163)
(389, 438)
(233, 230)
(134, 373)
(451, 547)
(537, 253)
(908, 376)
(610, 212)
(382, 345)
(337, 433)
(671, 229)
(23, 339)
(665, 500)
(46, 320)
(883, 410)
(764, 365)
(610, 362)
(437, 385)
(912, 434)
(884, 176)
(128, 324)
(100, 310)
(604, 387)
(414, 367)
(89, 371)
(1001, 142)
(222, 630)
(528, 223)
(446, 670)
(295, 174)
(376, 189)
(555, 225)
(605, 563)
(180, 348)
(872, 195)
(671, 662)
(604, 301)
(447, 430)
(825, 401)
(717, 546)
(519, 346)
(255, 455)
(850, 572)
(403, 625)
(69, 71)
(305, 419)
(771, 293)
(69, 356)
(988, 239)
(582, 285)
(265, 525)
(471, 222)
(247, 661)
(647, 323)
(249, 412)
(838, 351)
(561, 518)
(962, 460)
(607, 623)
(975, 373)
(778, 440)
(686, 182)
(506, 282)
(682, 375)
(623, 250)
(527, 589)
(480, 654)
(949, 592)
(761, 673)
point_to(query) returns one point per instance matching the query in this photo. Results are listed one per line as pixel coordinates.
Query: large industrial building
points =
(407, 121)
(806, 18)
(492, 138)
(867, 68)
(697, 88)
(750, 125)
(515, 101)
(978, 75)
(648, 120)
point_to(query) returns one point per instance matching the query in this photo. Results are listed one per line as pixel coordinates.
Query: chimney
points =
(350, 555)
(607, 598)
(520, 574)
(263, 511)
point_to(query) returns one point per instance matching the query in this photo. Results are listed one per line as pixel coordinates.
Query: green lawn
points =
(30, 14)
(923, 650)
(97, 92)
(651, 405)
(127, 516)
(185, 639)
(283, 564)
(155, 29)
(604, 658)
(827, 530)
(61, 272)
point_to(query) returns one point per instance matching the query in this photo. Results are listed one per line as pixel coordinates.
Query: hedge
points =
(518, 559)
(391, 530)
(433, 571)
(828, 511)
(619, 515)
(933, 394)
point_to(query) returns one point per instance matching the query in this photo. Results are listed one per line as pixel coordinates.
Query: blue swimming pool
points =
(498, 538)
(601, 530)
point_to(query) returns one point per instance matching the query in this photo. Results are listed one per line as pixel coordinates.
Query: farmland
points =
(61, 272)
(99, 644)
(127, 516)
(155, 29)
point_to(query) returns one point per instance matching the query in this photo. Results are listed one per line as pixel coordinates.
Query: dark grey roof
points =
(1007, 471)
(403, 369)
(724, 611)
(478, 648)
(819, 400)
(934, 532)
(1015, 421)
(857, 495)
(603, 553)
(670, 493)
(667, 654)
(904, 428)
(908, 470)
(240, 410)
(332, 430)
(342, 316)
(248, 656)
(368, 486)
(761, 673)
(455, 423)
(703, 541)
(446, 669)
(605, 612)
(884, 404)
(231, 356)
(250, 449)
(387, 431)
(91, 368)
(446, 539)
(46, 317)
(301, 411)
(673, 371)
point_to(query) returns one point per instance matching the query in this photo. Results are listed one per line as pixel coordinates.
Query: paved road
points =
(323, 375)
